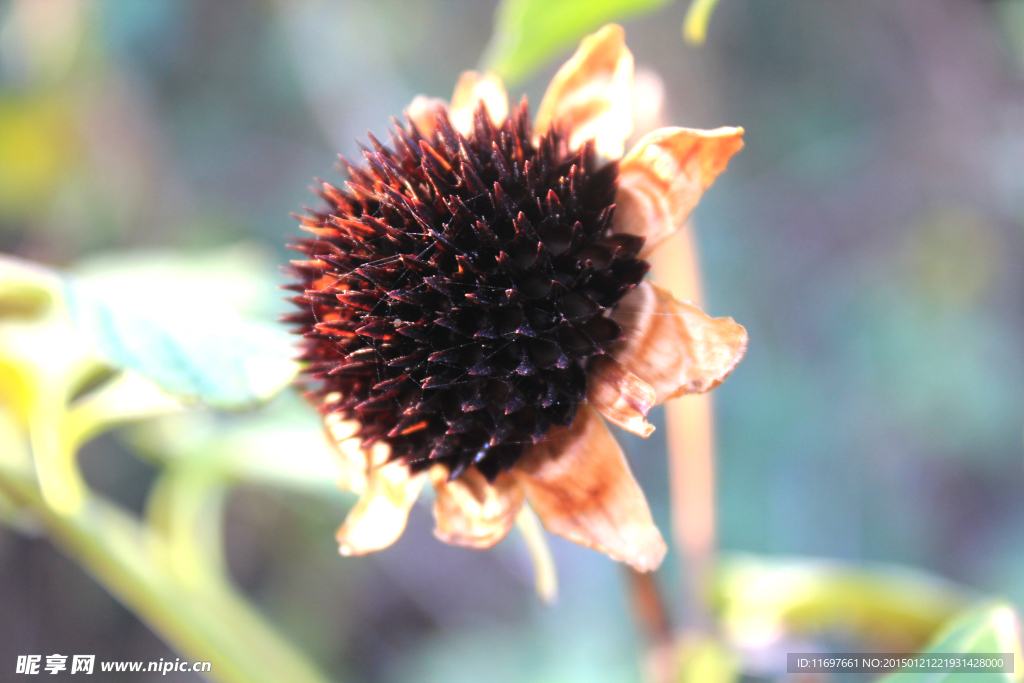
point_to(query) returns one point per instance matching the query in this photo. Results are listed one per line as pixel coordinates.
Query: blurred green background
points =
(870, 237)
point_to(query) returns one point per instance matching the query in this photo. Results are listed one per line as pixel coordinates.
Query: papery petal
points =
(379, 518)
(580, 485)
(590, 95)
(354, 460)
(422, 112)
(648, 101)
(472, 512)
(620, 396)
(673, 345)
(472, 89)
(663, 177)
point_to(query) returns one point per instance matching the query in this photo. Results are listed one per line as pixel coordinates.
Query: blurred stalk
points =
(168, 570)
(652, 616)
(545, 575)
(206, 622)
(60, 482)
(690, 449)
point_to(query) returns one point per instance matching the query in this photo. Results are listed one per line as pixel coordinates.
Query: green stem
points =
(205, 623)
(60, 481)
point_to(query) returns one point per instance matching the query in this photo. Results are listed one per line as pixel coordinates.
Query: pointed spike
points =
(416, 331)
(504, 177)
(431, 156)
(454, 357)
(376, 143)
(554, 205)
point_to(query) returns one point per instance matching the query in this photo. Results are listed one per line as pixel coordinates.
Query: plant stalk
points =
(690, 430)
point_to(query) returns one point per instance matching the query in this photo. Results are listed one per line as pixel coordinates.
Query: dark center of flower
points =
(454, 295)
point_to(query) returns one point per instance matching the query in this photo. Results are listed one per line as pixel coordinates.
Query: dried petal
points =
(622, 397)
(422, 112)
(579, 483)
(379, 518)
(663, 177)
(472, 89)
(590, 94)
(471, 512)
(673, 345)
(354, 460)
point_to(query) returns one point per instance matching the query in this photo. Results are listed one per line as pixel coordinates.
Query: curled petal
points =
(622, 397)
(589, 97)
(579, 483)
(665, 174)
(378, 518)
(472, 512)
(472, 89)
(673, 345)
(422, 113)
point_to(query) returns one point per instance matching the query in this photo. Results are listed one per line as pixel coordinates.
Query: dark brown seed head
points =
(454, 293)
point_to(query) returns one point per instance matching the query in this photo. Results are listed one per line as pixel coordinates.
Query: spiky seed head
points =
(454, 293)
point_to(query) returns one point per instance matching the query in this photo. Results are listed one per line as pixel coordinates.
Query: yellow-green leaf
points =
(761, 598)
(988, 629)
(695, 26)
(281, 445)
(529, 33)
(26, 289)
(703, 659)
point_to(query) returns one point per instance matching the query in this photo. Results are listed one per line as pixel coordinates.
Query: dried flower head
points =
(474, 298)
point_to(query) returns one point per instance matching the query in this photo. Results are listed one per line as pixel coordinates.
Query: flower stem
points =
(60, 482)
(210, 624)
(691, 449)
(545, 576)
(652, 617)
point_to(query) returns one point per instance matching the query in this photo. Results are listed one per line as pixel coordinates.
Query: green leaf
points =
(14, 453)
(185, 508)
(988, 629)
(706, 660)
(179, 323)
(283, 444)
(695, 26)
(14, 457)
(37, 147)
(26, 289)
(126, 397)
(757, 597)
(529, 33)
(171, 321)
(238, 277)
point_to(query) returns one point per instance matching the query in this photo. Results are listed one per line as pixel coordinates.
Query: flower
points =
(473, 308)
